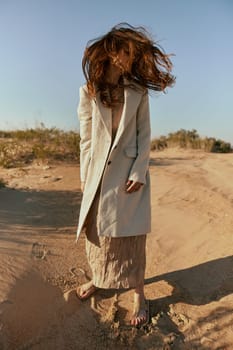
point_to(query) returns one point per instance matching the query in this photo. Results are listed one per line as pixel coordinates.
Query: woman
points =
(113, 111)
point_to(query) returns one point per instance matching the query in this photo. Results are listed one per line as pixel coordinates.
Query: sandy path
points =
(189, 277)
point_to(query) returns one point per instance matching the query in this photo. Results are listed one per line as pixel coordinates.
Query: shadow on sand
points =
(26, 212)
(197, 285)
(166, 161)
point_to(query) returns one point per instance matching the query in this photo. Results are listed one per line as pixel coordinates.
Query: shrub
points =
(23, 146)
(190, 139)
(159, 144)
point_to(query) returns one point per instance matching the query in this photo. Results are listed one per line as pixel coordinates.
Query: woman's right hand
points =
(132, 186)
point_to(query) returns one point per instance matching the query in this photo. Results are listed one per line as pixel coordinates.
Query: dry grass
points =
(190, 139)
(22, 147)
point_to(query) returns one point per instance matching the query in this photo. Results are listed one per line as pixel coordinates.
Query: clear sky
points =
(41, 47)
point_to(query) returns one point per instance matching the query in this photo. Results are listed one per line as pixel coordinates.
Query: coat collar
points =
(132, 99)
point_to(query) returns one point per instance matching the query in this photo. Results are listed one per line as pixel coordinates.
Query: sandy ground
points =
(189, 276)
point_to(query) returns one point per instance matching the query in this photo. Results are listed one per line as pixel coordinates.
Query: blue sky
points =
(41, 47)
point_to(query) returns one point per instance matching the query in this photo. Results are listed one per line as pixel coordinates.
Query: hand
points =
(132, 186)
(82, 186)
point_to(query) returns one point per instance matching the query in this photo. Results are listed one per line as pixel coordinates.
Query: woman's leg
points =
(139, 316)
(92, 246)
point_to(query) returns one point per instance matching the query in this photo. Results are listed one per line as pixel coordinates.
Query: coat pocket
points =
(131, 152)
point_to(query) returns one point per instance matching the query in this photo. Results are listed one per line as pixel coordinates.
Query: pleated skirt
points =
(115, 262)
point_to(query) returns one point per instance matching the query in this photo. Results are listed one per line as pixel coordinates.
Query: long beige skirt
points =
(115, 262)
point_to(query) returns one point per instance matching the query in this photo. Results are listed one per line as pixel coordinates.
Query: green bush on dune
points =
(191, 140)
(20, 147)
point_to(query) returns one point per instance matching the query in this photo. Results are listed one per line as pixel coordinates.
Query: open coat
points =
(113, 163)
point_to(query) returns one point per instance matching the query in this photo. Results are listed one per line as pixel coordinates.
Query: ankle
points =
(139, 292)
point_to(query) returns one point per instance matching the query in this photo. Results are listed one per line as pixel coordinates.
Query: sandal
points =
(86, 290)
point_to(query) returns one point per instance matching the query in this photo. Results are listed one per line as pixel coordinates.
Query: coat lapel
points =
(106, 115)
(131, 101)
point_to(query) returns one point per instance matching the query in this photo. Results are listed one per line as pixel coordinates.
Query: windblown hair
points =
(150, 66)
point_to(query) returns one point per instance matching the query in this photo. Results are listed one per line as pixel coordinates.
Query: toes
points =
(133, 321)
(83, 294)
(137, 320)
(86, 290)
(140, 320)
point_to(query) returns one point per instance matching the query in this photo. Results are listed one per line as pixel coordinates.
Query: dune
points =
(189, 274)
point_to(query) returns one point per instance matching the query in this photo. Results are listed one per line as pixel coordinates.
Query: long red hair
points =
(150, 66)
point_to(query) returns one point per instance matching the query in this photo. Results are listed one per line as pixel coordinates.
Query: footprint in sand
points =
(38, 251)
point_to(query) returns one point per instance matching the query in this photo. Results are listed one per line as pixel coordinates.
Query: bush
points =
(190, 139)
(21, 147)
(159, 144)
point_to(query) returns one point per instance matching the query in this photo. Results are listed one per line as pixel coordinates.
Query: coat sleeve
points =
(85, 118)
(141, 164)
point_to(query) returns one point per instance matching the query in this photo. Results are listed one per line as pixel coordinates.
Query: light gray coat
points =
(120, 213)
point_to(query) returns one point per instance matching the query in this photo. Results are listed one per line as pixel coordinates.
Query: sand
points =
(189, 275)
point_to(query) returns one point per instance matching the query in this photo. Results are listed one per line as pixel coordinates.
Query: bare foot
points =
(140, 314)
(86, 290)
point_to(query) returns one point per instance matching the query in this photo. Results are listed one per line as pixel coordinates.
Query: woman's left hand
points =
(132, 186)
